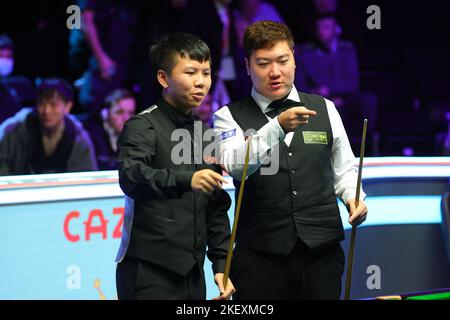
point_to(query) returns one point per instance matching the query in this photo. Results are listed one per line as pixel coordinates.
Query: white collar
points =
(263, 102)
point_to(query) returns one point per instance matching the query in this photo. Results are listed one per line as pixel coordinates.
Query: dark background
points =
(406, 63)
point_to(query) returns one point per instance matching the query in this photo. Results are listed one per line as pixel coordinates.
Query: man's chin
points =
(195, 104)
(277, 94)
(49, 126)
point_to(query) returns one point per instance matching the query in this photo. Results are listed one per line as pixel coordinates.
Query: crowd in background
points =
(64, 106)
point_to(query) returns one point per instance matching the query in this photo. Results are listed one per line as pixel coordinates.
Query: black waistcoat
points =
(170, 229)
(298, 201)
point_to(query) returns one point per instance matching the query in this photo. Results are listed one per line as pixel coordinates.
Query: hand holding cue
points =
(236, 216)
(348, 281)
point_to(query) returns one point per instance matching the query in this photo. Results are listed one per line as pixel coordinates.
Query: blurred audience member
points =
(329, 67)
(6, 56)
(9, 100)
(47, 139)
(213, 22)
(104, 130)
(109, 29)
(250, 11)
(303, 14)
(156, 18)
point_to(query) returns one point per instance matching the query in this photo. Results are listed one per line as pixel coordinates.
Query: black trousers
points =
(138, 279)
(301, 275)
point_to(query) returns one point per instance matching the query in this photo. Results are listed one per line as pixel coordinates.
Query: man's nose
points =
(274, 71)
(199, 81)
(45, 108)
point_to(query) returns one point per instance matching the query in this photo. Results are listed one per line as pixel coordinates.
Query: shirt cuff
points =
(277, 126)
(218, 266)
(184, 180)
(351, 195)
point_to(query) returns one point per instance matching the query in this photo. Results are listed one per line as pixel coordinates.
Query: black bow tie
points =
(278, 106)
(185, 121)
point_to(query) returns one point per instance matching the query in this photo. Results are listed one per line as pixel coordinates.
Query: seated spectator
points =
(304, 14)
(9, 100)
(6, 55)
(329, 67)
(105, 129)
(47, 139)
(15, 91)
(213, 22)
(250, 11)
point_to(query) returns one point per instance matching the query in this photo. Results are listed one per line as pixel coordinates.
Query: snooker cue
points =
(348, 281)
(236, 216)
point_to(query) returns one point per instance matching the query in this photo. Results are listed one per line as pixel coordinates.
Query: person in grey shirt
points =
(329, 67)
(46, 139)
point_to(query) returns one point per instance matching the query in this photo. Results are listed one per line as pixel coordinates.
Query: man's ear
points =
(337, 30)
(293, 56)
(69, 106)
(247, 65)
(162, 77)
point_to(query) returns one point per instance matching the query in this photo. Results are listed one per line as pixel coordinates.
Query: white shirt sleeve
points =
(232, 143)
(343, 162)
(232, 147)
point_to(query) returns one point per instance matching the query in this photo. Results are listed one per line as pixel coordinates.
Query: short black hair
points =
(48, 88)
(6, 42)
(117, 95)
(266, 34)
(163, 52)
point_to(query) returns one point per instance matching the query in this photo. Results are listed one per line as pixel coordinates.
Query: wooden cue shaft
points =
(236, 216)
(348, 282)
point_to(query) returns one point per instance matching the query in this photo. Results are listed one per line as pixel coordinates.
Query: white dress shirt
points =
(232, 145)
